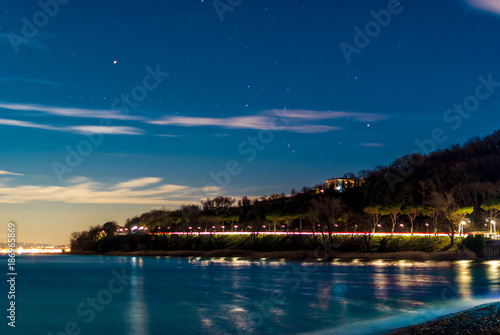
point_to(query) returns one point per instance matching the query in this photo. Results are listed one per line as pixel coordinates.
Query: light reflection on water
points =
(138, 315)
(464, 278)
(493, 275)
(233, 295)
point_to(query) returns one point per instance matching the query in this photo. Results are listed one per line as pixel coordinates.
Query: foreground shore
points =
(298, 255)
(483, 319)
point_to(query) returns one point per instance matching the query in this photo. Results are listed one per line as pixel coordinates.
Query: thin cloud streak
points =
(89, 192)
(71, 112)
(285, 120)
(3, 172)
(30, 80)
(110, 130)
(138, 182)
(492, 6)
(242, 122)
(316, 115)
(257, 122)
(372, 145)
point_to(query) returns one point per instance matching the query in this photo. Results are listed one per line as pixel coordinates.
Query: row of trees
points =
(323, 213)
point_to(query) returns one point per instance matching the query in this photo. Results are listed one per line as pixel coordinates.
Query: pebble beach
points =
(482, 319)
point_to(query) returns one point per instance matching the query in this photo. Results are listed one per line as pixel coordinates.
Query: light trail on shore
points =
(301, 233)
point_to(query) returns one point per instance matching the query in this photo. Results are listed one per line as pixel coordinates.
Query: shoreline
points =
(298, 255)
(482, 319)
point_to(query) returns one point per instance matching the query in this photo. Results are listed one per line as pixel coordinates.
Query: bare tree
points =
(394, 212)
(451, 213)
(412, 211)
(374, 211)
(329, 211)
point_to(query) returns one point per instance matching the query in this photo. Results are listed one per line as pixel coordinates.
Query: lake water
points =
(64, 294)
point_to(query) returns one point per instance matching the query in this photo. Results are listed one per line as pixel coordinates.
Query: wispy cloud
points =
(29, 80)
(25, 124)
(138, 182)
(110, 130)
(372, 145)
(242, 122)
(492, 6)
(70, 111)
(286, 120)
(325, 115)
(3, 172)
(258, 122)
(84, 191)
(296, 121)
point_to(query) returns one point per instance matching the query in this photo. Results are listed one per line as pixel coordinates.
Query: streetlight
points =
(427, 227)
(461, 228)
(494, 224)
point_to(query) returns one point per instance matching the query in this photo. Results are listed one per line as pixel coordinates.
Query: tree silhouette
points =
(412, 211)
(394, 212)
(492, 206)
(110, 228)
(329, 210)
(375, 212)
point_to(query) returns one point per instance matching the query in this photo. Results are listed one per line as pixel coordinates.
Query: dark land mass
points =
(444, 191)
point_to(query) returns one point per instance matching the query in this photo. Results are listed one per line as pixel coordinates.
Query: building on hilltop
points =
(342, 184)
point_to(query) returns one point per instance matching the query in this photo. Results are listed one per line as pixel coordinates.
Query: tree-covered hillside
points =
(443, 191)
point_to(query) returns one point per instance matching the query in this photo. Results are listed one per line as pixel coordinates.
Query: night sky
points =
(112, 108)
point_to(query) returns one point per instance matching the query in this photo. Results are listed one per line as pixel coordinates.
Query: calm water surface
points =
(141, 295)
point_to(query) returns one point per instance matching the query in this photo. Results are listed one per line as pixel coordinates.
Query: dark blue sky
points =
(227, 80)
